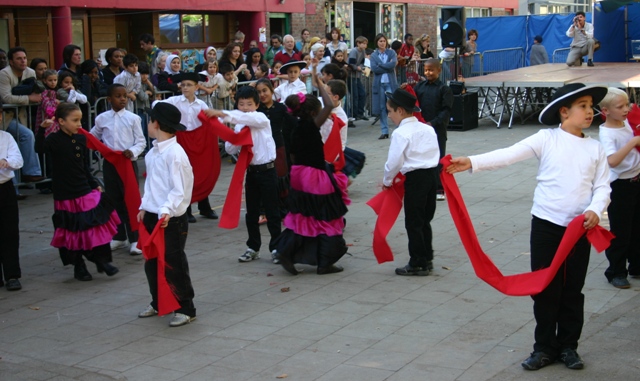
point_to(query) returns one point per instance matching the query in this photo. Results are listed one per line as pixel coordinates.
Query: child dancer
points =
(317, 206)
(573, 180)
(10, 160)
(167, 194)
(294, 85)
(261, 184)
(84, 219)
(120, 130)
(616, 135)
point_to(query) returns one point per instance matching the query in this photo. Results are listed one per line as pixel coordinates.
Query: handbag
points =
(596, 44)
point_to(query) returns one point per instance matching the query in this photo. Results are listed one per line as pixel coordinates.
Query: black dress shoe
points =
(286, 263)
(537, 360)
(13, 285)
(21, 196)
(329, 270)
(408, 270)
(351, 124)
(362, 117)
(107, 267)
(191, 219)
(383, 136)
(212, 215)
(590, 63)
(571, 359)
(32, 179)
(81, 273)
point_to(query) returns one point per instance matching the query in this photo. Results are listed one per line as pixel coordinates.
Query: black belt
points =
(633, 179)
(261, 167)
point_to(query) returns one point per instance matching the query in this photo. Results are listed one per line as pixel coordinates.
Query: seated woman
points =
(172, 67)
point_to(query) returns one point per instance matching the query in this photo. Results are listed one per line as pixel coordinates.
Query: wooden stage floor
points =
(523, 92)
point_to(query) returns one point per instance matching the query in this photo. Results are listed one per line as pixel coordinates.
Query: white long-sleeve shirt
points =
(264, 147)
(573, 174)
(189, 110)
(580, 35)
(284, 90)
(121, 130)
(169, 183)
(612, 139)
(414, 145)
(10, 152)
(326, 127)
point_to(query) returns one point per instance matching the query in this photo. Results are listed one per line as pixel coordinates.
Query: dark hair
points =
(304, 30)
(163, 128)
(276, 62)
(307, 110)
(580, 13)
(334, 29)
(264, 68)
(433, 61)
(335, 71)
(147, 38)
(129, 59)
(407, 36)
(15, 50)
(276, 37)
(35, 62)
(250, 54)
(368, 51)
(226, 53)
(247, 92)
(394, 106)
(109, 54)
(472, 31)
(143, 68)
(303, 55)
(225, 68)
(66, 108)
(112, 88)
(87, 66)
(67, 53)
(395, 45)
(3, 51)
(267, 82)
(338, 87)
(64, 74)
(538, 38)
(337, 51)
(378, 37)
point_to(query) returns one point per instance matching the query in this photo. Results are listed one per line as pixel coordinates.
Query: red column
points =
(258, 20)
(61, 22)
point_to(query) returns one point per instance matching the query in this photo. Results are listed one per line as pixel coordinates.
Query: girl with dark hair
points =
(114, 67)
(84, 219)
(72, 57)
(232, 54)
(468, 53)
(317, 204)
(335, 43)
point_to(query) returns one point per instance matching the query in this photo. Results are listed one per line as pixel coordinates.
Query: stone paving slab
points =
(363, 324)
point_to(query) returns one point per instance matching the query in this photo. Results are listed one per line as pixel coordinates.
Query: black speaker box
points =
(464, 115)
(452, 28)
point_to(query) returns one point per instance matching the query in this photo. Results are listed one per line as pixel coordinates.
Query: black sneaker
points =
(537, 360)
(13, 285)
(620, 282)
(571, 359)
(408, 270)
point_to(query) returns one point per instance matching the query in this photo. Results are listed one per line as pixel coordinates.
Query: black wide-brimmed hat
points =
(404, 99)
(566, 95)
(195, 77)
(167, 115)
(285, 67)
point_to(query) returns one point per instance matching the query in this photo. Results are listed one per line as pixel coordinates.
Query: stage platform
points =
(524, 92)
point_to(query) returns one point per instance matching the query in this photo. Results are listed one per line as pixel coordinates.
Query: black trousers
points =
(559, 308)
(177, 269)
(261, 189)
(419, 208)
(624, 220)
(115, 190)
(9, 233)
(441, 133)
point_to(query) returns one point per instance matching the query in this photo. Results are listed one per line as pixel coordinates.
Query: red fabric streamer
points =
(201, 146)
(152, 246)
(633, 117)
(387, 205)
(417, 114)
(230, 216)
(530, 283)
(333, 145)
(124, 168)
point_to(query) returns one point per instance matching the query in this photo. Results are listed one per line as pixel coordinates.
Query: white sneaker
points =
(275, 260)
(147, 312)
(248, 256)
(441, 197)
(115, 245)
(180, 319)
(134, 249)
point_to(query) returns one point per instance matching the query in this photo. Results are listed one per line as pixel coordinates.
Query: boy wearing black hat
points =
(573, 180)
(167, 194)
(294, 84)
(414, 153)
(190, 106)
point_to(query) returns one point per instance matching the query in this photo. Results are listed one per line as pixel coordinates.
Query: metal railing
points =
(494, 61)
(560, 55)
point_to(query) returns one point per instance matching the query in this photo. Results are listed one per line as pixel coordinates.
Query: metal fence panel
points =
(502, 59)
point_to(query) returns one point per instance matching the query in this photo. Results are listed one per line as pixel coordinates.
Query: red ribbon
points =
(530, 283)
(201, 146)
(125, 171)
(387, 205)
(230, 216)
(633, 117)
(333, 145)
(152, 246)
(409, 89)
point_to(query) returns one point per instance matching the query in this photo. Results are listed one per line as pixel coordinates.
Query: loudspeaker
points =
(452, 27)
(464, 114)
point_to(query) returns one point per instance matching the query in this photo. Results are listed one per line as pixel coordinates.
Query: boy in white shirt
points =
(414, 153)
(130, 79)
(120, 130)
(294, 84)
(573, 180)
(616, 135)
(261, 184)
(337, 89)
(167, 194)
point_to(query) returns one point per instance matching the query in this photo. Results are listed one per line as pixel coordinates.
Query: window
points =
(392, 21)
(192, 30)
(77, 33)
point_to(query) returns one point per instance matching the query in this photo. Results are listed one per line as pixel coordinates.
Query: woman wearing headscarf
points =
(209, 53)
(171, 67)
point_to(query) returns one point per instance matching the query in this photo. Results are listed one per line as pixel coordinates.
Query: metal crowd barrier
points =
(560, 55)
(494, 61)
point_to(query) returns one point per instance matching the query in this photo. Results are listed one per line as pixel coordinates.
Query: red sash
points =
(633, 117)
(418, 115)
(387, 205)
(230, 216)
(201, 146)
(333, 145)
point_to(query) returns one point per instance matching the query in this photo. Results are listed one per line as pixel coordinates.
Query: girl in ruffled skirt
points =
(84, 219)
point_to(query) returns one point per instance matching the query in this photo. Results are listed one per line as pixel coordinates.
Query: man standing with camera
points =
(583, 43)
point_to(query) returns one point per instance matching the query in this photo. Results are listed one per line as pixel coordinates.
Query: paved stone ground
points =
(363, 324)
